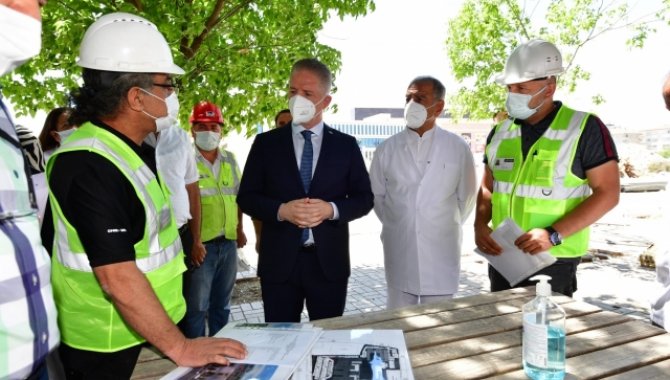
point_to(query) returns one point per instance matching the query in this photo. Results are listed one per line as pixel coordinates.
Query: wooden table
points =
(479, 337)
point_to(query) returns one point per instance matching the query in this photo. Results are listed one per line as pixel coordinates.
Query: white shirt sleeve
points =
(467, 186)
(191, 175)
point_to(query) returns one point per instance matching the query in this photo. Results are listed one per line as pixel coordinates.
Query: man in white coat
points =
(424, 183)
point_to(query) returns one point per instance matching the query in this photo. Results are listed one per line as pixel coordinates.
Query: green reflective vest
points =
(538, 191)
(87, 318)
(218, 197)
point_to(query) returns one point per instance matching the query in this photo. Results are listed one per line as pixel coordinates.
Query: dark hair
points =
(103, 92)
(286, 110)
(316, 67)
(438, 88)
(47, 141)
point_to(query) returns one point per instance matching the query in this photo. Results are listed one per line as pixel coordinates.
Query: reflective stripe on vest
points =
(539, 189)
(88, 318)
(219, 217)
(142, 176)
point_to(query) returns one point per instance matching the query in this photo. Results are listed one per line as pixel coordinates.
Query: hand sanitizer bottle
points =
(543, 335)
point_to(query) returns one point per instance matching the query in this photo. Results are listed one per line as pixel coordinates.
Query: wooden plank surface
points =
(489, 342)
(656, 371)
(480, 337)
(361, 320)
(152, 365)
(495, 363)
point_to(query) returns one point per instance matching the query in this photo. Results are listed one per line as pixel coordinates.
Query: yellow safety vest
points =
(218, 198)
(87, 318)
(538, 191)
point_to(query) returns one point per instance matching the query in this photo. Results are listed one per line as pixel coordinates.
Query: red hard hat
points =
(206, 112)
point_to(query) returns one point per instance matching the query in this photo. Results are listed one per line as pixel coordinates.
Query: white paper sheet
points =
(513, 263)
(357, 354)
(274, 351)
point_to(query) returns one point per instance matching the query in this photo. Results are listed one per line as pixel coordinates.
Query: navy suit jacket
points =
(271, 177)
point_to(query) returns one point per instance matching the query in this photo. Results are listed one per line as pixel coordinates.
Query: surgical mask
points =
(20, 38)
(415, 114)
(302, 109)
(517, 104)
(62, 135)
(167, 121)
(207, 140)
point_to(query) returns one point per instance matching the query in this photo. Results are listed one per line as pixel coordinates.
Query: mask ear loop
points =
(536, 94)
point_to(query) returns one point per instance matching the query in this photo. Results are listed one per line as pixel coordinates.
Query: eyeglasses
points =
(171, 87)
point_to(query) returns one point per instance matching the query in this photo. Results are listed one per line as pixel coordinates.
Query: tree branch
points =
(212, 22)
(137, 4)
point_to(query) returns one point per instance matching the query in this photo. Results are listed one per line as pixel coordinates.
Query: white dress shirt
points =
(175, 161)
(299, 145)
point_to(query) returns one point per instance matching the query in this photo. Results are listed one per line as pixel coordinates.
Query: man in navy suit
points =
(305, 183)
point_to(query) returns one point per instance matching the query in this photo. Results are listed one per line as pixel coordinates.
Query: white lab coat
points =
(422, 201)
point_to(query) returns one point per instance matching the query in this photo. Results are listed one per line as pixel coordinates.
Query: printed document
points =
(274, 352)
(513, 263)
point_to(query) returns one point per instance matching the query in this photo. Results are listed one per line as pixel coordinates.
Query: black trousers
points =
(89, 365)
(563, 275)
(284, 301)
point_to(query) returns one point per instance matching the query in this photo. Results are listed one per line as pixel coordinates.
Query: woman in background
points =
(56, 128)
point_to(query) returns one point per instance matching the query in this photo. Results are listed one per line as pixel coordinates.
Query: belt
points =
(183, 228)
(219, 239)
(308, 248)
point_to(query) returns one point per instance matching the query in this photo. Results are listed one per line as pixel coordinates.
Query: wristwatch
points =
(554, 236)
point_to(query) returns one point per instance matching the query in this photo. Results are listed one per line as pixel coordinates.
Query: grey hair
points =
(438, 88)
(316, 67)
(103, 93)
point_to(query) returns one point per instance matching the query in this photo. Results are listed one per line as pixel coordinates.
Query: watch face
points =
(555, 238)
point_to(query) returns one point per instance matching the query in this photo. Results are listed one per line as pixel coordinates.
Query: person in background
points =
(424, 183)
(28, 328)
(117, 258)
(282, 118)
(305, 183)
(35, 158)
(660, 299)
(551, 169)
(175, 161)
(56, 129)
(210, 283)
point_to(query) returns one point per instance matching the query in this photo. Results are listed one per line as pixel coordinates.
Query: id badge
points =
(504, 164)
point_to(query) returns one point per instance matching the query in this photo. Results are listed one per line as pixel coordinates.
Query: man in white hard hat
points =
(659, 311)
(551, 169)
(118, 260)
(28, 329)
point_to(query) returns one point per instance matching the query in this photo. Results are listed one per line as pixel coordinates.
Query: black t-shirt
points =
(595, 146)
(99, 202)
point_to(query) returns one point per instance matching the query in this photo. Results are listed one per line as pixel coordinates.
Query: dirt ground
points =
(246, 290)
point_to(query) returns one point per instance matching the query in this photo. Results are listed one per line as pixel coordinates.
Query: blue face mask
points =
(517, 104)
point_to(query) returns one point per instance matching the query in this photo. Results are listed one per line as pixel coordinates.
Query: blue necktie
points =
(306, 160)
(306, 171)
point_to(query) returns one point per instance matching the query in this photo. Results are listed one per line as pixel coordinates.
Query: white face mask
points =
(415, 114)
(517, 104)
(172, 104)
(20, 38)
(62, 135)
(207, 140)
(302, 109)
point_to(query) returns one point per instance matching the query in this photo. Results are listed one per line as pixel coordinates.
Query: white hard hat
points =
(532, 60)
(126, 43)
